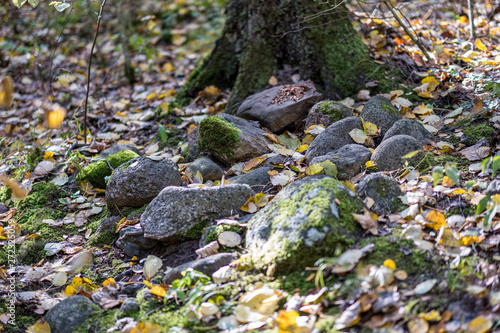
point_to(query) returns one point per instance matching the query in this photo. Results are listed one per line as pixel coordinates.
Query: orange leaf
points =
(436, 220)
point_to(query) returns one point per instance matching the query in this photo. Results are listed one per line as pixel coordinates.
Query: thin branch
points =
(408, 32)
(470, 3)
(88, 72)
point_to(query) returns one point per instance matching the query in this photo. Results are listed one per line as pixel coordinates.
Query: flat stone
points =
(177, 211)
(139, 181)
(231, 139)
(493, 188)
(276, 116)
(380, 111)
(348, 159)
(333, 137)
(388, 155)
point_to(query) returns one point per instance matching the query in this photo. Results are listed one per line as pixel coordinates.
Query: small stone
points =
(388, 155)
(327, 113)
(383, 190)
(206, 265)
(333, 137)
(208, 169)
(66, 315)
(412, 128)
(117, 147)
(132, 241)
(257, 179)
(129, 305)
(380, 111)
(348, 159)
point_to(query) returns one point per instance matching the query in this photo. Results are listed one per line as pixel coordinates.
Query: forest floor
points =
(450, 281)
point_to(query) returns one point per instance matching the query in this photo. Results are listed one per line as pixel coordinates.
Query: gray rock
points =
(303, 223)
(493, 188)
(388, 155)
(257, 179)
(139, 181)
(348, 159)
(383, 190)
(276, 116)
(231, 139)
(66, 315)
(129, 305)
(3, 209)
(133, 243)
(176, 211)
(333, 137)
(206, 265)
(412, 128)
(132, 289)
(108, 224)
(208, 169)
(117, 147)
(327, 113)
(192, 138)
(379, 111)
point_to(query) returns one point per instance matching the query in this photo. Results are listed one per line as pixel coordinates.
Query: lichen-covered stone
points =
(327, 113)
(276, 116)
(412, 128)
(333, 137)
(348, 159)
(118, 147)
(180, 213)
(231, 139)
(139, 181)
(66, 315)
(208, 169)
(380, 111)
(388, 155)
(97, 172)
(307, 220)
(383, 190)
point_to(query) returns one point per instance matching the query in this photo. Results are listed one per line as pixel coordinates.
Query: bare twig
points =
(470, 3)
(88, 72)
(408, 32)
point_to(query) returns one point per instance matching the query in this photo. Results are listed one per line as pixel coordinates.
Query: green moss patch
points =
(431, 160)
(477, 132)
(97, 172)
(218, 136)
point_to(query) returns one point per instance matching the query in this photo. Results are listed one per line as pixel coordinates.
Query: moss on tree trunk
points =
(261, 37)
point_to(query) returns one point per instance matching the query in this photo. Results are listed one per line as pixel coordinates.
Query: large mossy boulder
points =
(97, 172)
(308, 219)
(231, 139)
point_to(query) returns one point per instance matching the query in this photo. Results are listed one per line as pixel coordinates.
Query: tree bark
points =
(265, 37)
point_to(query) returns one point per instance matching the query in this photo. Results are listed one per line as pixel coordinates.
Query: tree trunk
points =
(262, 38)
